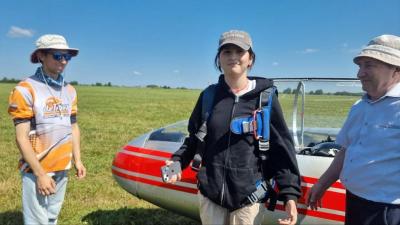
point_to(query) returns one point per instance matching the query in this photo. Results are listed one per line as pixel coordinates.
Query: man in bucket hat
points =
(44, 108)
(369, 163)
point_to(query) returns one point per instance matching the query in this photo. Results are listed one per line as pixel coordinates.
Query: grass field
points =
(109, 117)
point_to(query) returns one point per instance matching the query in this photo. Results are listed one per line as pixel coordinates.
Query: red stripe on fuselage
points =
(308, 212)
(313, 180)
(147, 151)
(331, 200)
(155, 183)
(143, 165)
(136, 164)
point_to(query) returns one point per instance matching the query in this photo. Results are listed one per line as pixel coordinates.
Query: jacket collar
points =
(261, 84)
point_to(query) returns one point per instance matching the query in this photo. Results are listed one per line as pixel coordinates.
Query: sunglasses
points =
(59, 56)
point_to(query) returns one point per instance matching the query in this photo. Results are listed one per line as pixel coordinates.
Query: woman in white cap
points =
(231, 167)
(369, 163)
(44, 108)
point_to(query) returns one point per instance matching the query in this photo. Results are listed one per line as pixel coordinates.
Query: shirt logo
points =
(55, 108)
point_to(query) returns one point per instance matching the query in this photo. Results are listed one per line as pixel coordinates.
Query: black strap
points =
(264, 96)
(207, 102)
(263, 152)
(206, 109)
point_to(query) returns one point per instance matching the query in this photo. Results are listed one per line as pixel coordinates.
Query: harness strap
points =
(265, 192)
(259, 122)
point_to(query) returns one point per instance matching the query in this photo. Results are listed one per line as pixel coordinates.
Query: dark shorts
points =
(360, 211)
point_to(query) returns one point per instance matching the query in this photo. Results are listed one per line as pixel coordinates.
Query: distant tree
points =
(348, 93)
(152, 86)
(294, 91)
(98, 84)
(166, 87)
(74, 82)
(287, 91)
(311, 92)
(108, 84)
(319, 92)
(6, 80)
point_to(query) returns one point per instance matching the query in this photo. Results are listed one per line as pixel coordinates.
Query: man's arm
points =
(76, 151)
(330, 176)
(45, 184)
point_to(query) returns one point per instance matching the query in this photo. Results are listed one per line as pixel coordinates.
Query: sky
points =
(174, 42)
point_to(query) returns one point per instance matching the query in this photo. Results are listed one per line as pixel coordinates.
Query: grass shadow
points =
(139, 216)
(11, 217)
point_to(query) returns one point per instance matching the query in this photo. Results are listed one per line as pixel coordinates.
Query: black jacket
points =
(231, 166)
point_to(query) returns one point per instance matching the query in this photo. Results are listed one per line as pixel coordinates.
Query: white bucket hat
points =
(385, 48)
(52, 41)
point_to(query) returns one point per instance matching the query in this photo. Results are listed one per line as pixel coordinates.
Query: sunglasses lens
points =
(59, 56)
(67, 56)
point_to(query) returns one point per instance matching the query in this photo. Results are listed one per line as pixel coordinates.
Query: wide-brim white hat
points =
(52, 41)
(385, 48)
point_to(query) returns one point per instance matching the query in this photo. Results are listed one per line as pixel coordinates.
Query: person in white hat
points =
(44, 109)
(369, 163)
(230, 171)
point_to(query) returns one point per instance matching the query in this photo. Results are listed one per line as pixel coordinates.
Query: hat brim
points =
(382, 53)
(386, 59)
(237, 43)
(34, 59)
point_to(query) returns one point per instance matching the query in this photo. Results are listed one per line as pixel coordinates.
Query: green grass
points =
(109, 117)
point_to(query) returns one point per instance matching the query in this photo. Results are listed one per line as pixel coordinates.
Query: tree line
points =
(6, 80)
(321, 92)
(98, 84)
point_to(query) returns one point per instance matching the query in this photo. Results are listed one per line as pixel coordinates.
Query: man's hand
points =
(45, 185)
(291, 211)
(314, 196)
(80, 170)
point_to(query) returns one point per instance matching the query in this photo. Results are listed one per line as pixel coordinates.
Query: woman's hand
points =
(173, 178)
(291, 211)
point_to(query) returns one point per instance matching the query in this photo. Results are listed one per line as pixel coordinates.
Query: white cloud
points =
(309, 51)
(18, 32)
(346, 48)
(137, 73)
(275, 64)
(176, 71)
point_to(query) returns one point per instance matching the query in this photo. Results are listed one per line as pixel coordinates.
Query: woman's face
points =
(234, 60)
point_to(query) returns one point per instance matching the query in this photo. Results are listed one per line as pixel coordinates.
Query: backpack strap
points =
(207, 102)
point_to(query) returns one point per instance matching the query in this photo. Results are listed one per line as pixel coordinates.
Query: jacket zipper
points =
(228, 151)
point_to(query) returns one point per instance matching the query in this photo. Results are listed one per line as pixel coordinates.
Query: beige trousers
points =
(213, 214)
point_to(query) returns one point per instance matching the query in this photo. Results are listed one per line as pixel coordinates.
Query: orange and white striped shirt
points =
(49, 109)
